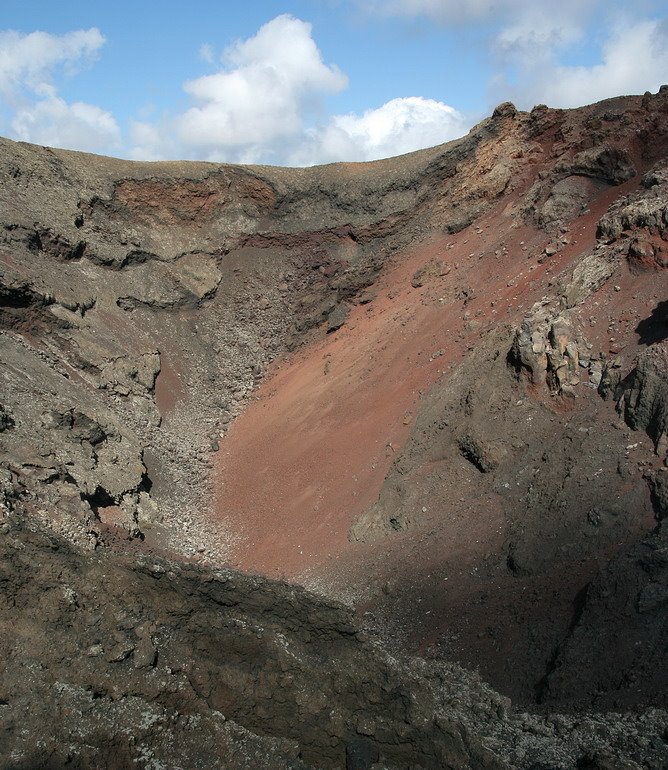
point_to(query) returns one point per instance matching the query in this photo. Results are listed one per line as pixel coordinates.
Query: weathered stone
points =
(481, 454)
(505, 110)
(608, 164)
(337, 317)
(6, 419)
(547, 349)
(589, 275)
(644, 397)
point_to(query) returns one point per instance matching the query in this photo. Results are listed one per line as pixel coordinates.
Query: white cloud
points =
(529, 40)
(263, 107)
(33, 109)
(634, 59)
(78, 126)
(206, 53)
(398, 126)
(261, 97)
(520, 25)
(151, 142)
(535, 35)
(264, 101)
(27, 61)
(456, 11)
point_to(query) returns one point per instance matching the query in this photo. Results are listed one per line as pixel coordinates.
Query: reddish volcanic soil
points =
(310, 453)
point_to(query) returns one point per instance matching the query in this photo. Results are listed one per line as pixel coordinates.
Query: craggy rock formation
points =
(432, 387)
(117, 663)
(641, 219)
(548, 350)
(629, 593)
(112, 296)
(150, 662)
(644, 396)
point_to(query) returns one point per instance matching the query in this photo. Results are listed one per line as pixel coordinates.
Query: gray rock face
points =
(590, 274)
(659, 489)
(562, 469)
(569, 198)
(547, 348)
(642, 219)
(644, 396)
(609, 164)
(482, 455)
(190, 667)
(337, 317)
(150, 298)
(646, 208)
(633, 589)
(565, 192)
(119, 663)
(6, 419)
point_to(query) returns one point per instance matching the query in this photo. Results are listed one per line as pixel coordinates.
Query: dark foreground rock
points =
(111, 662)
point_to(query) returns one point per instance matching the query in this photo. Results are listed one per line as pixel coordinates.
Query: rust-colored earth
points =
(311, 451)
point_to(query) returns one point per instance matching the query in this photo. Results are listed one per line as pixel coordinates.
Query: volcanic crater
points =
(361, 465)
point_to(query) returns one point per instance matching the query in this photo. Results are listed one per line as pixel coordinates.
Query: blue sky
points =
(306, 82)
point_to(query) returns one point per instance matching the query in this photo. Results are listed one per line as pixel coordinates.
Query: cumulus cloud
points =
(52, 121)
(28, 61)
(261, 95)
(536, 35)
(520, 25)
(398, 126)
(542, 12)
(30, 102)
(634, 59)
(264, 106)
(530, 39)
(152, 142)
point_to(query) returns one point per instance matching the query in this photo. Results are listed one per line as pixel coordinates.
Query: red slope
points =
(310, 453)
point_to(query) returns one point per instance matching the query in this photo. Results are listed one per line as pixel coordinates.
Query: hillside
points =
(431, 390)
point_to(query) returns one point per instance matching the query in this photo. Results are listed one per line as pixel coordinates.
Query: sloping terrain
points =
(501, 349)
(434, 388)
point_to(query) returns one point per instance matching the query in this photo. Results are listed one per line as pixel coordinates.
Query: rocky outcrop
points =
(588, 276)
(156, 295)
(192, 278)
(551, 349)
(566, 191)
(116, 662)
(631, 592)
(530, 349)
(645, 208)
(154, 659)
(641, 219)
(643, 396)
(558, 473)
(6, 419)
(484, 456)
(609, 164)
